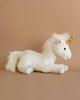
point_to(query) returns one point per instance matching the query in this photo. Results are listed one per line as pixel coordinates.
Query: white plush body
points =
(28, 60)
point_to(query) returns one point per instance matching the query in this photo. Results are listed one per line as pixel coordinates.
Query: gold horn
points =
(60, 33)
(71, 38)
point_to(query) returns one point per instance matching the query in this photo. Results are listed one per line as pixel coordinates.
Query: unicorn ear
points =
(58, 42)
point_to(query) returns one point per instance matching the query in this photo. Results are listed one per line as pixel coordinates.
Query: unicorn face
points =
(62, 49)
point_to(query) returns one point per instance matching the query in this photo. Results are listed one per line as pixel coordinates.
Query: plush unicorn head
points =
(61, 45)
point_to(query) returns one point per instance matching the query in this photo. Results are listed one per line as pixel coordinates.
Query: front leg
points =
(63, 68)
(56, 68)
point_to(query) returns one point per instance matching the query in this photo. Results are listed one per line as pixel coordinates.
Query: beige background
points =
(26, 24)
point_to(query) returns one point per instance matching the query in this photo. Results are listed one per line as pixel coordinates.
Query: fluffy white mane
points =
(65, 36)
(55, 36)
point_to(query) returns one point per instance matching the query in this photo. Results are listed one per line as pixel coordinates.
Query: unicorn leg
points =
(29, 70)
(63, 69)
(56, 68)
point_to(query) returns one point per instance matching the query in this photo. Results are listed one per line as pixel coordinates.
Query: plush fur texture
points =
(27, 61)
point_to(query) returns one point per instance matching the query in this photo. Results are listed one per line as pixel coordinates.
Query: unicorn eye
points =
(64, 48)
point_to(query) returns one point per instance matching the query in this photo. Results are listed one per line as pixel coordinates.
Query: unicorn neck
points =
(48, 52)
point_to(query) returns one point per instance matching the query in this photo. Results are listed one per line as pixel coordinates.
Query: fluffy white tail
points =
(12, 61)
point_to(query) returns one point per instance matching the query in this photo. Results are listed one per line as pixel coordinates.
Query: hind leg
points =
(24, 68)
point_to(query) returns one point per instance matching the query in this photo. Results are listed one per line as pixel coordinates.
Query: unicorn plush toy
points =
(28, 61)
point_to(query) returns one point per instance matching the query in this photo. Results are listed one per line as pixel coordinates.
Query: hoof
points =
(62, 71)
(29, 70)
